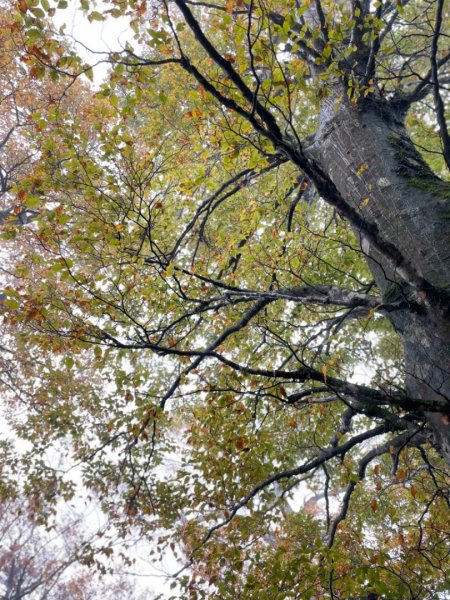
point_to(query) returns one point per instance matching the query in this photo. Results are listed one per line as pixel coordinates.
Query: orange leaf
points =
(401, 475)
(142, 8)
(240, 443)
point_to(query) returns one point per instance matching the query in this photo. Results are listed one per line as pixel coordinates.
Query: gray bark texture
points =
(367, 153)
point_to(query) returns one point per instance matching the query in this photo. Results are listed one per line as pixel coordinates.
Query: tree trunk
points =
(367, 153)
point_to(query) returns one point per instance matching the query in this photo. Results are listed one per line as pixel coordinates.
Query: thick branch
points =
(314, 294)
(438, 102)
(367, 399)
(227, 68)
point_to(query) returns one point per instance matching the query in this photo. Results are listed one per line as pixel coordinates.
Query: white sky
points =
(93, 40)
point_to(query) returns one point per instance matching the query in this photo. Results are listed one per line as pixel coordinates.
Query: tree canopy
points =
(228, 299)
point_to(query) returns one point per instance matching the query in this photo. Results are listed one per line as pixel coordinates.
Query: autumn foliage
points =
(226, 294)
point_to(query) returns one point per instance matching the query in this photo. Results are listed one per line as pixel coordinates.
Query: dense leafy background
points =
(153, 306)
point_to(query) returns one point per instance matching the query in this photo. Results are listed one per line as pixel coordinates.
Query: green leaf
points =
(96, 16)
(69, 362)
(35, 34)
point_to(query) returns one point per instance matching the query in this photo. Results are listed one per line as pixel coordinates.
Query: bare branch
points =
(323, 457)
(422, 89)
(397, 443)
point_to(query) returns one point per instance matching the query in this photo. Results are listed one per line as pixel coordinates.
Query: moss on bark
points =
(415, 170)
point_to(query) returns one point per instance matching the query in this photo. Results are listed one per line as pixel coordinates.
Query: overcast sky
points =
(93, 40)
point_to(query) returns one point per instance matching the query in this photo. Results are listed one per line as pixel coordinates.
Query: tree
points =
(40, 563)
(25, 103)
(253, 206)
(29, 98)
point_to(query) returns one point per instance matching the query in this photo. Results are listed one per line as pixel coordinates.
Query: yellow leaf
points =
(361, 169)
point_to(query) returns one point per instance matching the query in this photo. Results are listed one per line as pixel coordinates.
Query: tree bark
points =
(367, 153)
